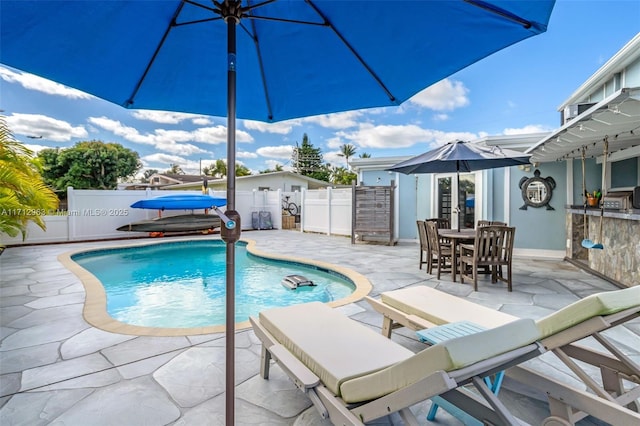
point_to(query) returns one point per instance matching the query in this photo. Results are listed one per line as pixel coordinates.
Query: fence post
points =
(328, 210)
(71, 213)
(303, 200)
(279, 207)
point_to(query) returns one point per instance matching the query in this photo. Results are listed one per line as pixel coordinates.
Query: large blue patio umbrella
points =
(461, 156)
(263, 60)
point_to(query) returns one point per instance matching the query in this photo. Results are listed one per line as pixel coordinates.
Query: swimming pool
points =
(182, 284)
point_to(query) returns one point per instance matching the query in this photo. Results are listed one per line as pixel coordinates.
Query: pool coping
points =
(95, 304)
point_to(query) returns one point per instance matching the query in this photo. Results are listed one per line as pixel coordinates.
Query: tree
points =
(307, 159)
(347, 151)
(342, 176)
(24, 196)
(365, 155)
(148, 173)
(88, 165)
(322, 173)
(219, 170)
(175, 169)
(242, 170)
(277, 168)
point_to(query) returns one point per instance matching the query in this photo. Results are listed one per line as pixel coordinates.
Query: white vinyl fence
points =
(326, 211)
(96, 214)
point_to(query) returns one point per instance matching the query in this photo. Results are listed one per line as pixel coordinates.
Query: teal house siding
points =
(540, 228)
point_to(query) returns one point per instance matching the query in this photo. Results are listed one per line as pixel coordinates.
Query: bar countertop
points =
(630, 214)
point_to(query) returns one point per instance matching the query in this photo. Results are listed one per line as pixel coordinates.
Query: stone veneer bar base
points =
(619, 261)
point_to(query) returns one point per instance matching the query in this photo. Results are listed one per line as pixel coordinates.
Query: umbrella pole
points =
(230, 321)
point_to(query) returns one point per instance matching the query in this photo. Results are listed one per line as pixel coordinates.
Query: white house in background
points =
(160, 181)
(284, 181)
(163, 179)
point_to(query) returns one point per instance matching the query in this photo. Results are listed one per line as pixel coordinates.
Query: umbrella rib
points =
(179, 24)
(500, 12)
(354, 52)
(293, 21)
(254, 37)
(130, 101)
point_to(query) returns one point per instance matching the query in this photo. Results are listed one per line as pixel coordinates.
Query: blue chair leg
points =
(493, 385)
(432, 412)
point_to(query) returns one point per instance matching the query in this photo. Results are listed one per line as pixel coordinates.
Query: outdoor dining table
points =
(457, 236)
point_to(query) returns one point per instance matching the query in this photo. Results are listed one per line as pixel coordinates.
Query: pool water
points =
(182, 284)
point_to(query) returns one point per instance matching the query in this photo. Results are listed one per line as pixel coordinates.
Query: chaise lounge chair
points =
(424, 307)
(354, 375)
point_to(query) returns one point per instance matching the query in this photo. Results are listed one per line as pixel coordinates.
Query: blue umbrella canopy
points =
(294, 58)
(274, 59)
(460, 156)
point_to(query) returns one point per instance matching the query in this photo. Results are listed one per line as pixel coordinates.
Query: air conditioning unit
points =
(572, 111)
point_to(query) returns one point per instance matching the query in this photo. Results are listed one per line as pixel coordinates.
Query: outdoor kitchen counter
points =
(620, 258)
(631, 214)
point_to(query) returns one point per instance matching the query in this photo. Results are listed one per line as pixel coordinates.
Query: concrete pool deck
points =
(55, 368)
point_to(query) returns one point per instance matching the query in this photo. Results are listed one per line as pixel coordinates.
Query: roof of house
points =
(313, 183)
(180, 177)
(613, 119)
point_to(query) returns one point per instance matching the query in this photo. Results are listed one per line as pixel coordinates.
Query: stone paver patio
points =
(55, 368)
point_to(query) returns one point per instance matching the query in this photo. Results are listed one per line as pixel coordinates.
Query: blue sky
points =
(514, 91)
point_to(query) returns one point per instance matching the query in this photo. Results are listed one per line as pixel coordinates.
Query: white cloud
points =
(48, 128)
(162, 159)
(283, 151)
(39, 84)
(169, 117)
(201, 121)
(172, 141)
(400, 136)
(218, 135)
(338, 120)
(440, 117)
(281, 127)
(35, 148)
(530, 128)
(246, 154)
(334, 159)
(445, 95)
(334, 142)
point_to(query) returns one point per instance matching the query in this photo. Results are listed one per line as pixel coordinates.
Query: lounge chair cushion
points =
(333, 346)
(605, 303)
(441, 308)
(447, 356)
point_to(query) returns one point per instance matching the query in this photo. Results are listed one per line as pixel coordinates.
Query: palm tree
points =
(365, 155)
(218, 170)
(24, 197)
(175, 169)
(347, 150)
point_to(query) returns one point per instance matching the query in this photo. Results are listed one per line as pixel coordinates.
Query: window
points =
(295, 188)
(264, 188)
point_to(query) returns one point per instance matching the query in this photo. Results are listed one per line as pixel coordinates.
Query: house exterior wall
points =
(539, 228)
(281, 182)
